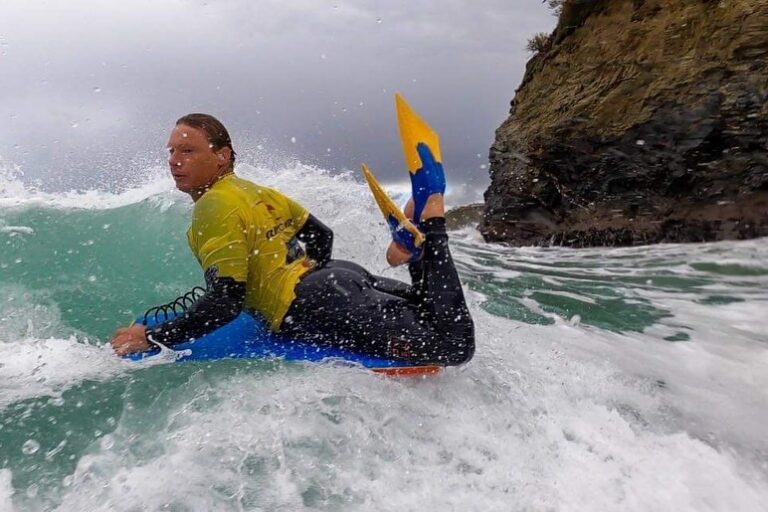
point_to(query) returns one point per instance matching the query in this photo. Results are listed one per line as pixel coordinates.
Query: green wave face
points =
(612, 290)
(99, 268)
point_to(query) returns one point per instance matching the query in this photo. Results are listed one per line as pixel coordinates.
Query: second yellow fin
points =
(389, 209)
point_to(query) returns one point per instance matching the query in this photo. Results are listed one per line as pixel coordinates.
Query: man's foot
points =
(398, 255)
(426, 182)
(404, 233)
(434, 207)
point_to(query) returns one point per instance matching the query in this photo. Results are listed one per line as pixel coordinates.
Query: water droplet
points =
(30, 446)
(293, 140)
(74, 125)
(32, 490)
(107, 442)
(640, 142)
(379, 21)
(92, 278)
(97, 90)
(323, 56)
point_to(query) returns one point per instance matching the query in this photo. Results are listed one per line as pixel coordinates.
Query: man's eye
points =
(186, 151)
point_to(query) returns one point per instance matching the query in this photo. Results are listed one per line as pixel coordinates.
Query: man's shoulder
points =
(212, 199)
(245, 189)
(235, 193)
(216, 204)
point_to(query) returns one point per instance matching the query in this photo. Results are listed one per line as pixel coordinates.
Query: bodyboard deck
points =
(248, 337)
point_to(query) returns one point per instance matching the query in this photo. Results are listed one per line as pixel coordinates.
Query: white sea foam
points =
(715, 384)
(14, 193)
(33, 367)
(531, 424)
(6, 491)
(16, 230)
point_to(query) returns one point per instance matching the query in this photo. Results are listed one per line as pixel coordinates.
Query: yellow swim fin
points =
(414, 131)
(395, 218)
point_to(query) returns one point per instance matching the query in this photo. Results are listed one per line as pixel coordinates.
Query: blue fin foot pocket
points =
(428, 180)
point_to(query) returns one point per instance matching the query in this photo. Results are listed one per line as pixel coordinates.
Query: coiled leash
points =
(176, 306)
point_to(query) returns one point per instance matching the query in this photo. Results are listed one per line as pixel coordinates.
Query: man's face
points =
(194, 164)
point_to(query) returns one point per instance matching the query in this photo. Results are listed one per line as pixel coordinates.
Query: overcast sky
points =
(89, 89)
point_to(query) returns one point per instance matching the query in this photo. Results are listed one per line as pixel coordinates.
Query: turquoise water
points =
(604, 378)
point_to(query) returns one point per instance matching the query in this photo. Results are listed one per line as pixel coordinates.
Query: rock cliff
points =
(639, 121)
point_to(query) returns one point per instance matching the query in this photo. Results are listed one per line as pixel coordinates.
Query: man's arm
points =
(318, 239)
(222, 302)
(220, 246)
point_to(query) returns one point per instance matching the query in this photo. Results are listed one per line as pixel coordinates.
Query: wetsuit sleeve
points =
(318, 239)
(221, 303)
(219, 243)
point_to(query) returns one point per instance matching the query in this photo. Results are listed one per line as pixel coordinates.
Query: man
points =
(246, 239)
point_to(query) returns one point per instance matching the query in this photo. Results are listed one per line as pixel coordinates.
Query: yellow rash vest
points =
(243, 231)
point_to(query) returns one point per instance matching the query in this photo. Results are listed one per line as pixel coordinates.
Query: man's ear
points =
(224, 154)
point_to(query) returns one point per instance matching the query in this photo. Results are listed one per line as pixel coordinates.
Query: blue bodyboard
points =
(249, 337)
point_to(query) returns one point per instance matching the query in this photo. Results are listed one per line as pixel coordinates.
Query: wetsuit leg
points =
(339, 305)
(438, 290)
(383, 284)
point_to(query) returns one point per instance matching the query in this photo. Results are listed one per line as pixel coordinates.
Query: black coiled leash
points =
(176, 306)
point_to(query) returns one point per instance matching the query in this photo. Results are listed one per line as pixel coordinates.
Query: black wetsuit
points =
(341, 304)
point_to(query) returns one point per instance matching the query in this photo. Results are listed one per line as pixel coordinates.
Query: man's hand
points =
(128, 340)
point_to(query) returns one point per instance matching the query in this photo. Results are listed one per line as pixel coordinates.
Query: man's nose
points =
(174, 161)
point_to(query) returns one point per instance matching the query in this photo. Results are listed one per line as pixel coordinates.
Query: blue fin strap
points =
(404, 238)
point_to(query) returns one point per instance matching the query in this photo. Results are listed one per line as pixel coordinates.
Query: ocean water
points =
(604, 379)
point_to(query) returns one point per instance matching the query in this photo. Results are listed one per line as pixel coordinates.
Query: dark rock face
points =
(463, 216)
(645, 121)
